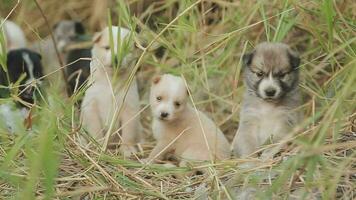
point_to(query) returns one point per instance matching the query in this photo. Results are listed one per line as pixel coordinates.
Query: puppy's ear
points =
(247, 58)
(97, 37)
(294, 59)
(156, 79)
(37, 55)
(79, 28)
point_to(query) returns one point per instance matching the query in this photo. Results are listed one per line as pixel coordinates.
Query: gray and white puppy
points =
(269, 108)
(65, 32)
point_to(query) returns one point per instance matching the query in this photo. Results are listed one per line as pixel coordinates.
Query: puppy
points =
(105, 96)
(70, 34)
(65, 33)
(78, 69)
(14, 36)
(175, 121)
(23, 67)
(269, 108)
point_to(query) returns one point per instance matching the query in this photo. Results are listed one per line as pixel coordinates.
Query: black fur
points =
(79, 67)
(247, 59)
(79, 28)
(17, 66)
(294, 61)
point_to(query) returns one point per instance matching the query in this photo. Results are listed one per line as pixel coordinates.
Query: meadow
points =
(203, 41)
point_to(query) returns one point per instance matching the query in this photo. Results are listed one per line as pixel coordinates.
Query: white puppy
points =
(178, 128)
(104, 97)
(15, 37)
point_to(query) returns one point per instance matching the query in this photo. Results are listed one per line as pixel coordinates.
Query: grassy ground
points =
(203, 41)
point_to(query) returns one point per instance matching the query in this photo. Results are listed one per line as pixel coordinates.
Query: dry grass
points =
(203, 42)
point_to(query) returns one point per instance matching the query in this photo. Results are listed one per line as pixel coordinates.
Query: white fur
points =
(13, 118)
(267, 83)
(15, 37)
(259, 123)
(104, 98)
(105, 54)
(29, 65)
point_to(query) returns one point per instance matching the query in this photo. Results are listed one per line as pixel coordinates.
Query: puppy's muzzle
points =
(270, 92)
(164, 115)
(27, 94)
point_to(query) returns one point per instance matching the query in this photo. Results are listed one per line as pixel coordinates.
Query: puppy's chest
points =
(268, 120)
(182, 135)
(107, 100)
(104, 89)
(163, 131)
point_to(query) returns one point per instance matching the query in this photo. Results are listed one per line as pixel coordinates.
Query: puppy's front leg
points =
(281, 131)
(159, 151)
(245, 141)
(131, 131)
(91, 120)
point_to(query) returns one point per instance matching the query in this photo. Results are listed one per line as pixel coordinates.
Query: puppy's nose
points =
(164, 114)
(270, 92)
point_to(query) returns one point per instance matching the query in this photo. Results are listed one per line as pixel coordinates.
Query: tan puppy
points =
(104, 97)
(269, 108)
(176, 122)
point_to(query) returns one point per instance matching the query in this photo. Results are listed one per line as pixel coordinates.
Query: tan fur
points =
(104, 97)
(267, 120)
(190, 145)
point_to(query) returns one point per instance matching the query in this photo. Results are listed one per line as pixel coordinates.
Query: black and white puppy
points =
(23, 66)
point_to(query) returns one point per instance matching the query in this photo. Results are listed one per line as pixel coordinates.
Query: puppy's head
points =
(67, 31)
(271, 71)
(102, 45)
(24, 65)
(168, 97)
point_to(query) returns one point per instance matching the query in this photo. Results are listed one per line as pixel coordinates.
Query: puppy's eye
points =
(177, 104)
(107, 47)
(259, 74)
(281, 74)
(159, 98)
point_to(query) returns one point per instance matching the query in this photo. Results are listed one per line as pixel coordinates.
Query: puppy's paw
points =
(128, 150)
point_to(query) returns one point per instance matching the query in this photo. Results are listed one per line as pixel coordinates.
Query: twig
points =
(64, 75)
